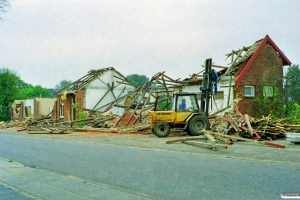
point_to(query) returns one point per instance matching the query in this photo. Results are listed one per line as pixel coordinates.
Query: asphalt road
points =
(9, 194)
(154, 173)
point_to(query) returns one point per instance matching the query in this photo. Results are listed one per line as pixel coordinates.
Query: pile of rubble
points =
(234, 126)
(235, 123)
(244, 126)
(103, 122)
(118, 124)
(231, 124)
(29, 121)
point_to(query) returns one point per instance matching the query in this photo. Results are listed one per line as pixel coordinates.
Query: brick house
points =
(255, 70)
(241, 81)
(100, 90)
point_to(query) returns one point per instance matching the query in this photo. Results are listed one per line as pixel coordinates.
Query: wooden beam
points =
(186, 139)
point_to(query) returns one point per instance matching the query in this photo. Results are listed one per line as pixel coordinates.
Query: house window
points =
(249, 91)
(268, 91)
(220, 95)
(62, 110)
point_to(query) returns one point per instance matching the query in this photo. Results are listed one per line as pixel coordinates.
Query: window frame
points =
(268, 91)
(62, 110)
(252, 91)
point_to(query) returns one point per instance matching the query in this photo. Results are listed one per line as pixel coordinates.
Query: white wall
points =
(97, 89)
(29, 103)
(228, 88)
(44, 105)
(217, 104)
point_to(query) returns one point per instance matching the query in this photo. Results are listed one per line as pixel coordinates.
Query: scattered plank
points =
(186, 139)
(207, 145)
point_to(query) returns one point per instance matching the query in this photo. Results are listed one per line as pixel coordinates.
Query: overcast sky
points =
(48, 41)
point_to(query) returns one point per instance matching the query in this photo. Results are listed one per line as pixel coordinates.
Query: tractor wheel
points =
(197, 124)
(161, 129)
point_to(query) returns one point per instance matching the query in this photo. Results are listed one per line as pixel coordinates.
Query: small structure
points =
(100, 90)
(35, 108)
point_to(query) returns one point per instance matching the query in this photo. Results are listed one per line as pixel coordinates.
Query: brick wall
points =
(67, 108)
(54, 112)
(79, 98)
(124, 120)
(13, 112)
(21, 113)
(269, 65)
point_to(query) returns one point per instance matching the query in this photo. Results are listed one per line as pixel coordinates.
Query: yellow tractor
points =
(182, 112)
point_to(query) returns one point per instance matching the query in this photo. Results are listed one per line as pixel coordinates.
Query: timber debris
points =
(103, 122)
(249, 127)
(194, 141)
(234, 126)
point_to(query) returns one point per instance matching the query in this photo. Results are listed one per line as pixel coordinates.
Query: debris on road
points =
(211, 142)
(101, 122)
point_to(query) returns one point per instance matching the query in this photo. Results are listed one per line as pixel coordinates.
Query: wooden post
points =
(249, 125)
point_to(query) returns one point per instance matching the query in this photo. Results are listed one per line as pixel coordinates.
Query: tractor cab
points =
(181, 102)
(185, 102)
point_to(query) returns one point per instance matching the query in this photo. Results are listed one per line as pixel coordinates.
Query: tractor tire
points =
(161, 129)
(197, 124)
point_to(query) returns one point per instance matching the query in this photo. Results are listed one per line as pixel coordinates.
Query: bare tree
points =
(4, 4)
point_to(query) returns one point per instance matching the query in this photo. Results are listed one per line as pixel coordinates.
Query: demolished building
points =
(262, 60)
(106, 90)
(35, 108)
(240, 82)
(98, 91)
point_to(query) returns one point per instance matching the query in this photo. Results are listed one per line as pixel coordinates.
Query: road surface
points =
(154, 173)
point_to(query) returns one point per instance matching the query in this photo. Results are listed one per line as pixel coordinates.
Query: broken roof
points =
(251, 53)
(90, 77)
